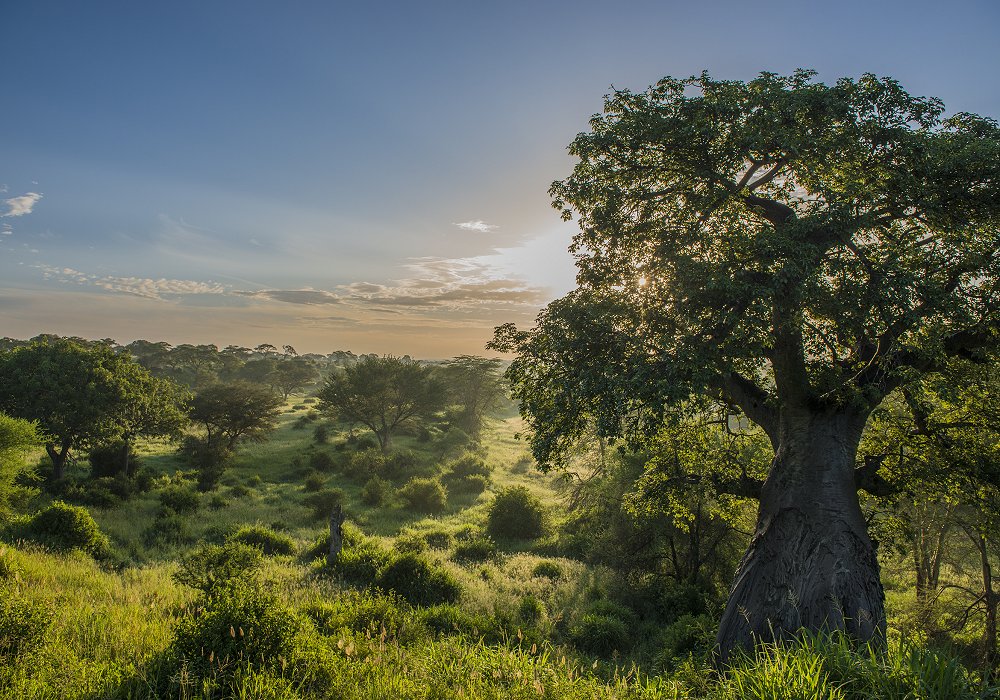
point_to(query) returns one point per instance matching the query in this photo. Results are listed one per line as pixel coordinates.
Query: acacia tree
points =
(475, 384)
(789, 248)
(82, 396)
(383, 394)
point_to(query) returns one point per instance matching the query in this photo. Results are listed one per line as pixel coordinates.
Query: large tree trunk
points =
(810, 563)
(58, 457)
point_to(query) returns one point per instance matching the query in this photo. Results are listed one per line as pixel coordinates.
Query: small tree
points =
(476, 385)
(16, 438)
(383, 394)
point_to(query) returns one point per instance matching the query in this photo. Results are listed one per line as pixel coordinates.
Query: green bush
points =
(465, 466)
(375, 491)
(209, 458)
(516, 513)
(314, 481)
(212, 567)
(246, 628)
(364, 464)
(547, 569)
(321, 434)
(180, 499)
(364, 612)
(439, 539)
(410, 544)
(361, 563)
(323, 502)
(475, 550)
(254, 481)
(424, 495)
(470, 484)
(600, 635)
(322, 461)
(688, 634)
(64, 527)
(530, 610)
(266, 540)
(239, 491)
(418, 581)
(451, 619)
(169, 528)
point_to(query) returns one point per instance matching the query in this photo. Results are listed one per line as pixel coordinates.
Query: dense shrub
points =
(180, 499)
(467, 465)
(209, 458)
(322, 461)
(410, 543)
(314, 481)
(323, 502)
(547, 569)
(516, 513)
(424, 495)
(688, 634)
(246, 627)
(321, 433)
(169, 528)
(418, 581)
(477, 549)
(254, 481)
(364, 612)
(530, 610)
(470, 484)
(361, 563)
(439, 539)
(63, 527)
(375, 491)
(452, 619)
(266, 540)
(211, 567)
(239, 491)
(600, 635)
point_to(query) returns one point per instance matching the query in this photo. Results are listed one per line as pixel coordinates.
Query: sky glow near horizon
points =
(363, 178)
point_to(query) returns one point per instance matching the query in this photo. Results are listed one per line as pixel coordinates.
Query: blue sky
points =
(365, 177)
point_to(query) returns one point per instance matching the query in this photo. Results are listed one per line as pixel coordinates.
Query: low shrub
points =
(314, 481)
(322, 461)
(467, 465)
(254, 481)
(365, 612)
(212, 567)
(375, 492)
(439, 539)
(410, 544)
(689, 634)
(180, 499)
(323, 502)
(418, 581)
(63, 527)
(424, 495)
(475, 550)
(547, 569)
(600, 635)
(516, 513)
(469, 484)
(451, 619)
(266, 540)
(530, 610)
(321, 434)
(239, 491)
(112, 460)
(169, 528)
(361, 563)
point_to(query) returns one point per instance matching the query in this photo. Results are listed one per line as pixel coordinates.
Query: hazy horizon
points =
(367, 178)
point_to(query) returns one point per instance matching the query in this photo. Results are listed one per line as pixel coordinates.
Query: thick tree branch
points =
(754, 401)
(866, 477)
(775, 212)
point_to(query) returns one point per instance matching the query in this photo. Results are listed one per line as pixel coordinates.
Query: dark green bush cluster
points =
(547, 569)
(210, 568)
(168, 528)
(371, 462)
(112, 460)
(63, 527)
(376, 491)
(424, 495)
(467, 474)
(364, 612)
(475, 550)
(449, 619)
(322, 462)
(182, 500)
(321, 433)
(418, 581)
(323, 502)
(314, 481)
(265, 539)
(209, 459)
(516, 513)
(604, 629)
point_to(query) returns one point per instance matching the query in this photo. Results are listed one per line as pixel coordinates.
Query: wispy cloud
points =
(478, 225)
(310, 297)
(21, 205)
(147, 288)
(6, 230)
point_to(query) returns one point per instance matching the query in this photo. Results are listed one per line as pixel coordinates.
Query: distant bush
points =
(209, 458)
(375, 491)
(451, 619)
(467, 465)
(239, 491)
(397, 465)
(688, 634)
(419, 581)
(321, 434)
(365, 464)
(322, 461)
(63, 527)
(475, 550)
(169, 528)
(210, 567)
(314, 481)
(410, 544)
(217, 502)
(254, 481)
(516, 513)
(470, 484)
(323, 502)
(424, 495)
(547, 569)
(360, 564)
(264, 539)
(180, 499)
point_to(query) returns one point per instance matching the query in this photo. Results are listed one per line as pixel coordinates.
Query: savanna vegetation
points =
(780, 362)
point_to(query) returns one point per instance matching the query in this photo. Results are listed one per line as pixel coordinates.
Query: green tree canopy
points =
(476, 385)
(793, 249)
(16, 438)
(83, 396)
(383, 394)
(236, 412)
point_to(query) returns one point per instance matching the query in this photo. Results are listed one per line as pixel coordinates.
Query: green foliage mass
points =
(516, 513)
(63, 527)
